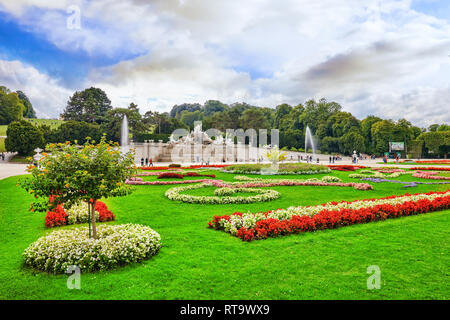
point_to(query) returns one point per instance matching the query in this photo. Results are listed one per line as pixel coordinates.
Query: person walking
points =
(146, 162)
(330, 159)
(151, 162)
(142, 162)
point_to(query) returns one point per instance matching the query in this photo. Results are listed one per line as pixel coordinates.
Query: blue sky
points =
(388, 58)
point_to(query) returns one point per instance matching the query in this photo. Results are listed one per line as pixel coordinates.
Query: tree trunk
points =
(94, 227)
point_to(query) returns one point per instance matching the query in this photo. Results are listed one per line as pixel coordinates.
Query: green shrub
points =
(23, 138)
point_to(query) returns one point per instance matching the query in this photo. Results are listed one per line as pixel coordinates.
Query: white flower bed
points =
(115, 245)
(249, 220)
(263, 195)
(376, 174)
(331, 179)
(79, 213)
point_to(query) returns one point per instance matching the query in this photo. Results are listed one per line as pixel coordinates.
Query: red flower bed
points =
(433, 161)
(345, 167)
(103, 213)
(430, 168)
(58, 217)
(330, 219)
(195, 174)
(170, 175)
(154, 168)
(190, 167)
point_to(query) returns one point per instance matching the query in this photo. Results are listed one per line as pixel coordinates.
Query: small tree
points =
(72, 173)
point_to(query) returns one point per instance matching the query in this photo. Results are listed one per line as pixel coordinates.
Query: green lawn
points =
(49, 122)
(2, 145)
(200, 263)
(37, 122)
(19, 159)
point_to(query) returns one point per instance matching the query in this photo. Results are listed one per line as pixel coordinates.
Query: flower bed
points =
(344, 167)
(444, 161)
(406, 184)
(212, 166)
(195, 174)
(377, 174)
(170, 175)
(78, 213)
(429, 175)
(139, 181)
(387, 170)
(258, 183)
(430, 168)
(283, 168)
(262, 195)
(252, 226)
(115, 245)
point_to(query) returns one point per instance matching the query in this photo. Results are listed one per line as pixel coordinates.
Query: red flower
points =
(329, 219)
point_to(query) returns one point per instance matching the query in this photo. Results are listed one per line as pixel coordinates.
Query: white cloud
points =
(371, 56)
(46, 95)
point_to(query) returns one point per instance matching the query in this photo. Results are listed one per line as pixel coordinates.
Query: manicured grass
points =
(200, 263)
(2, 145)
(19, 159)
(49, 122)
(37, 122)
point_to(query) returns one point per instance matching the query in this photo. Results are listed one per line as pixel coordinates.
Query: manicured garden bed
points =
(196, 262)
(282, 168)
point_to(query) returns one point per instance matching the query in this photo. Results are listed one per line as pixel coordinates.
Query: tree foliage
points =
(89, 105)
(11, 107)
(23, 137)
(73, 174)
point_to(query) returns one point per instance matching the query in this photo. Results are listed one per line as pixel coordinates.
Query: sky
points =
(389, 58)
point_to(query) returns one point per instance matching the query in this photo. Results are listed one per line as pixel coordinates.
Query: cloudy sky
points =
(389, 58)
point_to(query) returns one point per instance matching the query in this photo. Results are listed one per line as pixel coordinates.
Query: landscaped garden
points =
(206, 233)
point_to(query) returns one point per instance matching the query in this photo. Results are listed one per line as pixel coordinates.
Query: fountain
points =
(124, 136)
(309, 137)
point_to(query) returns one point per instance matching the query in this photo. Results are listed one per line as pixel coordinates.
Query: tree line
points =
(90, 113)
(14, 106)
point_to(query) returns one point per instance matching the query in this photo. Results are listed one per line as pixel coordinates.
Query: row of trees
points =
(90, 113)
(14, 106)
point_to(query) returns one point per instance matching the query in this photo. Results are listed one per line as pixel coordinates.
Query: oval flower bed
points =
(116, 245)
(251, 226)
(258, 183)
(263, 195)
